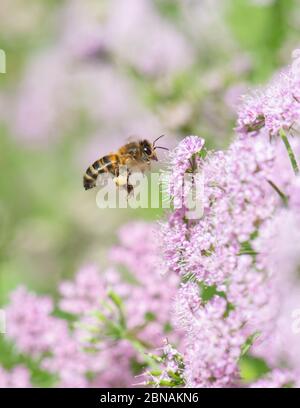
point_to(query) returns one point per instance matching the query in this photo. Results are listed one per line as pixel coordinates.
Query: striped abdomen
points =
(107, 164)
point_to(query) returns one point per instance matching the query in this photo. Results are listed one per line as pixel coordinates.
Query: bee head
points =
(148, 150)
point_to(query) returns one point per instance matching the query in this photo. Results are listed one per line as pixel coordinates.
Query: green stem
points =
(289, 150)
(283, 197)
(247, 252)
(142, 350)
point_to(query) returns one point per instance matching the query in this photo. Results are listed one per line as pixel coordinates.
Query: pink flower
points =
(162, 50)
(229, 252)
(84, 293)
(153, 291)
(18, 377)
(278, 379)
(62, 348)
(212, 344)
(183, 158)
(30, 323)
(275, 107)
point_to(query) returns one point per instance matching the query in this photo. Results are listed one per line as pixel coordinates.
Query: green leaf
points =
(208, 292)
(290, 152)
(168, 328)
(283, 197)
(10, 357)
(252, 368)
(246, 249)
(116, 299)
(203, 153)
(188, 277)
(261, 31)
(249, 343)
(150, 317)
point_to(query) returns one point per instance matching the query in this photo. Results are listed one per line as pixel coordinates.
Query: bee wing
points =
(132, 138)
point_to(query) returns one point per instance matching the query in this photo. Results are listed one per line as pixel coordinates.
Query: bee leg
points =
(120, 180)
(129, 186)
(129, 189)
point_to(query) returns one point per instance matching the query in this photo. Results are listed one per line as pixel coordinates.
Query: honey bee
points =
(136, 156)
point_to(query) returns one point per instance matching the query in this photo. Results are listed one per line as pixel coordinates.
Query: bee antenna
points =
(157, 139)
(161, 147)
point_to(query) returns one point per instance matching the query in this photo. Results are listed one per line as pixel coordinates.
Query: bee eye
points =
(147, 150)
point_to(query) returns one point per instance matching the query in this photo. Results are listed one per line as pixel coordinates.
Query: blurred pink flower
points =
(157, 50)
(62, 349)
(43, 99)
(233, 96)
(18, 377)
(278, 379)
(153, 291)
(30, 323)
(83, 32)
(84, 293)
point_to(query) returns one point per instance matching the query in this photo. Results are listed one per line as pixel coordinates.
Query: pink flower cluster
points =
(39, 334)
(36, 328)
(234, 202)
(19, 377)
(277, 379)
(239, 261)
(275, 107)
(153, 291)
(212, 343)
(185, 156)
(84, 292)
(279, 253)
